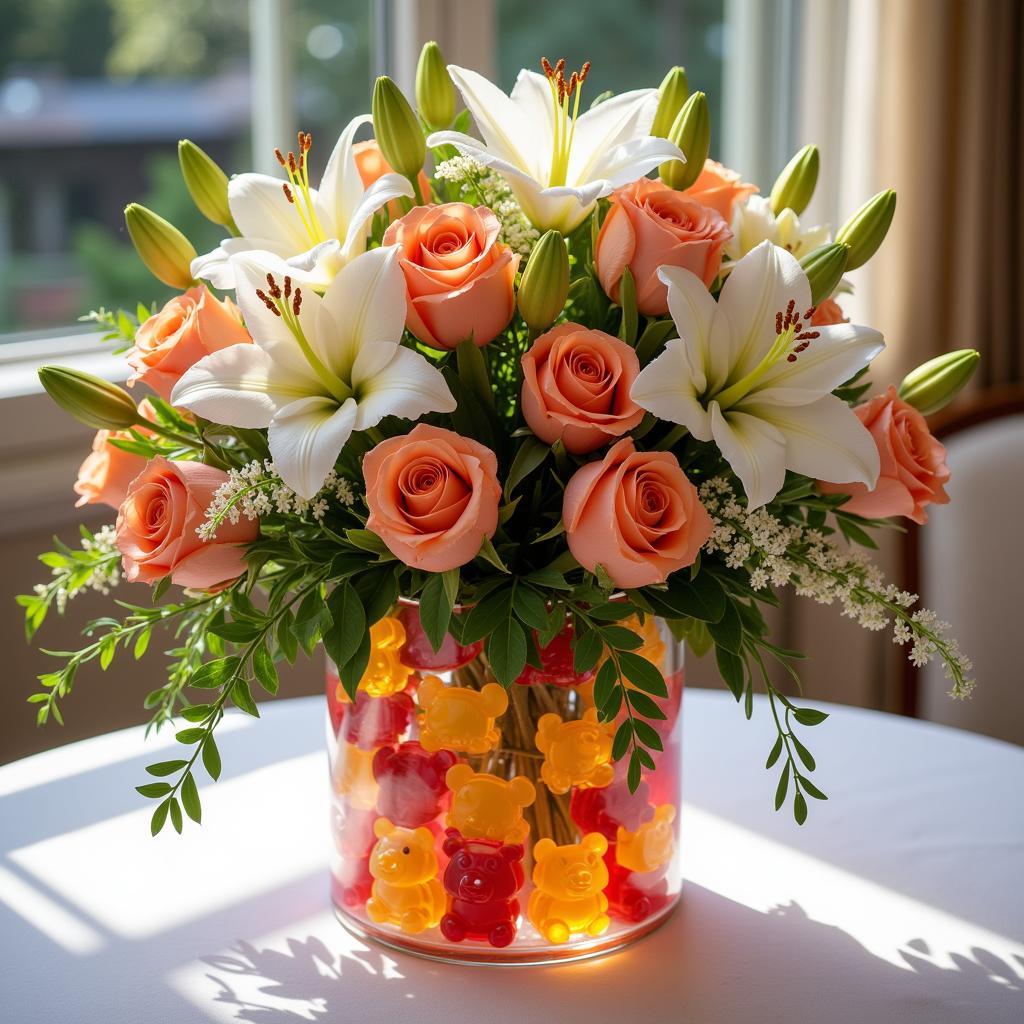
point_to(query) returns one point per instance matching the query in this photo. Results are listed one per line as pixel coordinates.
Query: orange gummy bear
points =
(569, 880)
(385, 674)
(458, 717)
(486, 807)
(406, 890)
(353, 776)
(576, 753)
(651, 846)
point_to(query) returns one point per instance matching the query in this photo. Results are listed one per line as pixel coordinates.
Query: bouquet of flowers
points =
(577, 377)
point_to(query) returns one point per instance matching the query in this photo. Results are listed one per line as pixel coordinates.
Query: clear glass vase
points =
(477, 824)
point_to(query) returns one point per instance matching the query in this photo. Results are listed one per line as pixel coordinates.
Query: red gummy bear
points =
(604, 810)
(412, 786)
(633, 896)
(482, 879)
(353, 836)
(377, 721)
(417, 652)
(557, 661)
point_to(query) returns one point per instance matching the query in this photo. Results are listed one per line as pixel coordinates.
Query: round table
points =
(900, 899)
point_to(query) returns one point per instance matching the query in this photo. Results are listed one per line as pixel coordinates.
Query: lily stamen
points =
(297, 189)
(562, 92)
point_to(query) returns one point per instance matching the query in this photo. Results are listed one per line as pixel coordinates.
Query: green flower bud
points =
(397, 129)
(864, 231)
(91, 400)
(824, 268)
(794, 187)
(672, 94)
(545, 284)
(691, 132)
(934, 384)
(435, 91)
(161, 246)
(207, 184)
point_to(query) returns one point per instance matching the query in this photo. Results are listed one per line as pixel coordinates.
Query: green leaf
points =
(190, 736)
(241, 697)
(160, 589)
(643, 674)
(701, 598)
(627, 299)
(605, 682)
(265, 670)
(809, 716)
(176, 815)
(142, 642)
(366, 540)
(506, 651)
(156, 823)
(348, 623)
(780, 792)
(351, 673)
(644, 705)
(732, 671)
(633, 773)
(153, 790)
(728, 631)
(653, 338)
(214, 673)
(211, 757)
(451, 584)
(483, 617)
(609, 711)
(623, 735)
(620, 638)
(799, 808)
(803, 753)
(235, 632)
(488, 554)
(190, 799)
(530, 456)
(852, 532)
(378, 590)
(647, 735)
(530, 607)
(611, 611)
(286, 638)
(162, 768)
(775, 754)
(435, 610)
(473, 373)
(811, 789)
(586, 650)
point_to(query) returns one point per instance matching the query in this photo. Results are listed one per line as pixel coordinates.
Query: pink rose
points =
(189, 327)
(649, 226)
(459, 278)
(104, 476)
(433, 497)
(635, 513)
(719, 188)
(156, 528)
(828, 312)
(913, 463)
(576, 387)
(371, 165)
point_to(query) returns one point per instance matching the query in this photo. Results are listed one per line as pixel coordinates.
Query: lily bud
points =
(161, 246)
(672, 94)
(545, 284)
(794, 187)
(934, 384)
(864, 231)
(824, 268)
(397, 129)
(691, 132)
(435, 91)
(92, 400)
(207, 184)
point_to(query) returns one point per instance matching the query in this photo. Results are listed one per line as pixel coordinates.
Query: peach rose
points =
(635, 513)
(156, 528)
(433, 497)
(189, 327)
(576, 387)
(649, 226)
(459, 277)
(828, 312)
(104, 476)
(913, 469)
(719, 188)
(371, 165)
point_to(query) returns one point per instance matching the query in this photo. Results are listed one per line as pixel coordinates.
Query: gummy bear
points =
(569, 880)
(576, 753)
(376, 721)
(354, 839)
(486, 807)
(385, 674)
(482, 880)
(336, 699)
(417, 653)
(649, 847)
(458, 717)
(412, 784)
(353, 776)
(406, 891)
(632, 896)
(557, 662)
(604, 810)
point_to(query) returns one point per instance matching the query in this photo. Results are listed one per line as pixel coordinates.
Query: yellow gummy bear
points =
(576, 753)
(486, 807)
(353, 776)
(651, 846)
(459, 718)
(569, 881)
(385, 674)
(406, 890)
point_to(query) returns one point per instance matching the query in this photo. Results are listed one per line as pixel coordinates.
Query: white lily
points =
(320, 367)
(316, 231)
(749, 373)
(557, 161)
(753, 223)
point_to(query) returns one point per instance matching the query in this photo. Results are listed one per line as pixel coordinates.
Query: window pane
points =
(630, 45)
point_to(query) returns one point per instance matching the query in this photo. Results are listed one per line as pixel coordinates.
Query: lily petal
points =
(408, 386)
(386, 188)
(693, 312)
(501, 122)
(261, 210)
(667, 388)
(215, 266)
(632, 160)
(824, 440)
(756, 451)
(306, 439)
(607, 126)
(341, 188)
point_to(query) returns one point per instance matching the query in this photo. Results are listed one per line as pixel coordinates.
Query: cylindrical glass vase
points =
(478, 824)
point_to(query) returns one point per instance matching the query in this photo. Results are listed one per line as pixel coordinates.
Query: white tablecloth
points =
(900, 900)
